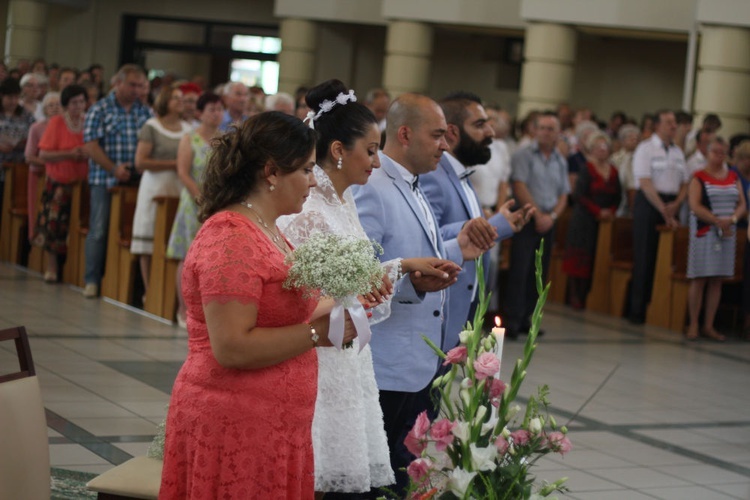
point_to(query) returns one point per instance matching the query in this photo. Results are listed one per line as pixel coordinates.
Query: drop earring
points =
(340, 163)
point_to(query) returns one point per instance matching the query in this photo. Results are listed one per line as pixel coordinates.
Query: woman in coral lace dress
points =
(242, 406)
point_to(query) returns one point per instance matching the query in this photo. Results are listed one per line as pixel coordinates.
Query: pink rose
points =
(486, 365)
(496, 388)
(441, 433)
(502, 445)
(416, 440)
(455, 356)
(520, 437)
(559, 442)
(419, 470)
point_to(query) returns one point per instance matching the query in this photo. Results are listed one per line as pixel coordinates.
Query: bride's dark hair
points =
(344, 122)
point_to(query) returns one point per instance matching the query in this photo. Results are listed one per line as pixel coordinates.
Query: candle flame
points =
(497, 321)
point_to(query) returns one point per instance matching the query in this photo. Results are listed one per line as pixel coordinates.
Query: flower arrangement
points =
(480, 445)
(340, 267)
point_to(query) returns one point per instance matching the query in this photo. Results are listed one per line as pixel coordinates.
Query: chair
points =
(24, 452)
(138, 478)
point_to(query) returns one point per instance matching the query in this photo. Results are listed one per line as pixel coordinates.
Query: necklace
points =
(274, 235)
(73, 127)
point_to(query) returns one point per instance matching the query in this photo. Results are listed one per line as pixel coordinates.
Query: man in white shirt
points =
(661, 180)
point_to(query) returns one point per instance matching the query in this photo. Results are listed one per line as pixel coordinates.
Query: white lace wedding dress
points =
(349, 441)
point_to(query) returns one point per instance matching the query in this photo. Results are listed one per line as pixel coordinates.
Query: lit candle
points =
(499, 334)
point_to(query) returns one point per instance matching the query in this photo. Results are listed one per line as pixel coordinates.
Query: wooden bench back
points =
(20, 191)
(127, 200)
(680, 252)
(622, 240)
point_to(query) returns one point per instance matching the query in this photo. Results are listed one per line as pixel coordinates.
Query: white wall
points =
(651, 15)
(635, 76)
(471, 62)
(351, 53)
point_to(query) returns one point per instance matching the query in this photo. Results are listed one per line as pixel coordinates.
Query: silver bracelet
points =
(313, 335)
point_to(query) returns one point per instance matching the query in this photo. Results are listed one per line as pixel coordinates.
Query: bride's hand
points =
(322, 327)
(378, 295)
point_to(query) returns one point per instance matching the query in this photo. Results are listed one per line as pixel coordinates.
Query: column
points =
(408, 51)
(24, 36)
(297, 58)
(723, 77)
(547, 73)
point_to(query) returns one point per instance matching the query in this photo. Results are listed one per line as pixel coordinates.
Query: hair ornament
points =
(326, 106)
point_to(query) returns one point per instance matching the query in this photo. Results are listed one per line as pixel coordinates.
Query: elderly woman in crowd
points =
(32, 91)
(716, 203)
(156, 159)
(61, 149)
(15, 122)
(50, 107)
(240, 416)
(596, 195)
(629, 135)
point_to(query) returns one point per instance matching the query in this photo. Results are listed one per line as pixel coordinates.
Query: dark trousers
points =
(645, 244)
(400, 411)
(521, 295)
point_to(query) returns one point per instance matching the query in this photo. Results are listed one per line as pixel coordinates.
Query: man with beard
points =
(539, 175)
(455, 202)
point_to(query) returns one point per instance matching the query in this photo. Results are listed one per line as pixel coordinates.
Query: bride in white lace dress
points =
(349, 441)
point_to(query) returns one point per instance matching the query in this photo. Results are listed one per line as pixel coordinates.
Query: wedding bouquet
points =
(340, 267)
(481, 445)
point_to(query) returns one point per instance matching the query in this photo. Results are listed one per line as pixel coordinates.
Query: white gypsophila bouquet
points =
(481, 446)
(340, 267)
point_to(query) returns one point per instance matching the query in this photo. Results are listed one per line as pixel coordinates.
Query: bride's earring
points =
(271, 187)
(340, 163)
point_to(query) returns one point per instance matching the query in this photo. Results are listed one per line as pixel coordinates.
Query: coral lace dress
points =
(239, 433)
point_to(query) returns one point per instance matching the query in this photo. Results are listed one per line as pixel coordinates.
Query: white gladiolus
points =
(483, 459)
(463, 337)
(462, 431)
(535, 426)
(459, 481)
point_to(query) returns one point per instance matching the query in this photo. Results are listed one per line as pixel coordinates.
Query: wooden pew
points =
(161, 296)
(120, 263)
(621, 266)
(558, 279)
(75, 263)
(37, 256)
(14, 221)
(658, 312)
(678, 279)
(598, 297)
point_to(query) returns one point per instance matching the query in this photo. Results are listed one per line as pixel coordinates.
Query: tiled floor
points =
(653, 417)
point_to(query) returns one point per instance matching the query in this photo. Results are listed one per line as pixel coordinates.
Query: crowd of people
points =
(265, 405)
